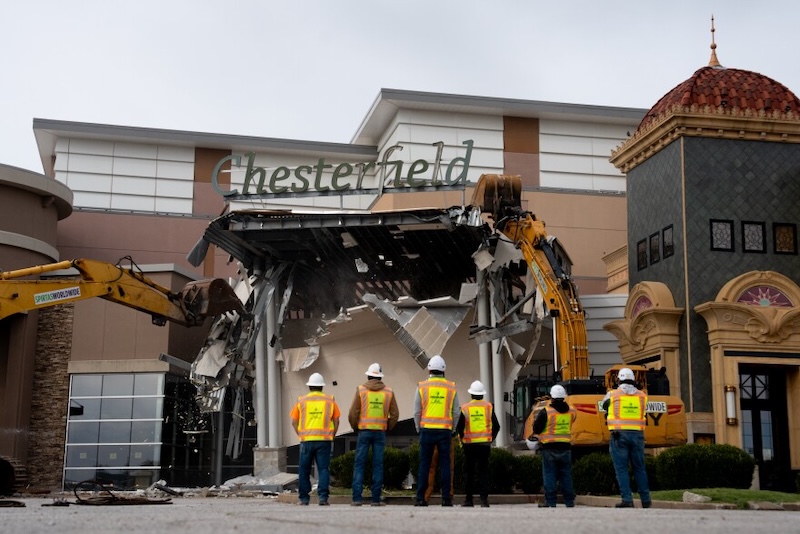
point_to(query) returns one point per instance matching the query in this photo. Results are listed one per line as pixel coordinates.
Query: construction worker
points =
(625, 416)
(373, 412)
(436, 409)
(553, 425)
(315, 419)
(477, 427)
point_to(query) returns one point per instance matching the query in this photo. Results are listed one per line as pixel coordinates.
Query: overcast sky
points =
(310, 69)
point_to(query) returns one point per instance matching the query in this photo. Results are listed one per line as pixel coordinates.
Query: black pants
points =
(476, 458)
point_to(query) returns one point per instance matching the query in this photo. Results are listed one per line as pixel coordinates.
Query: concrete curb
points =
(530, 499)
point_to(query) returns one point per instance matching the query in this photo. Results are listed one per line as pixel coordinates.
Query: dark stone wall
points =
(50, 398)
(733, 180)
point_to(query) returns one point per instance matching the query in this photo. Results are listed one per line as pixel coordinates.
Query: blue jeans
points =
(320, 453)
(557, 469)
(628, 446)
(366, 439)
(428, 440)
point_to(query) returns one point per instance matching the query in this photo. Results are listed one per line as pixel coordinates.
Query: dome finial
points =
(713, 62)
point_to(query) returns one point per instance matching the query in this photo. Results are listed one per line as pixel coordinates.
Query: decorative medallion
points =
(764, 296)
(642, 303)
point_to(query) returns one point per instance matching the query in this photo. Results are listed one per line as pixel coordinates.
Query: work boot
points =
(447, 502)
(484, 503)
(468, 503)
(647, 504)
(624, 504)
(420, 503)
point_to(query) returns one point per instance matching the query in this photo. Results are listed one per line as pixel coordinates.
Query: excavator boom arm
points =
(189, 307)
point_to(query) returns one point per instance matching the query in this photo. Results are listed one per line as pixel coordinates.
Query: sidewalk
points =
(529, 499)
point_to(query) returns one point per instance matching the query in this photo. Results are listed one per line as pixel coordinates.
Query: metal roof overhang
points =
(336, 258)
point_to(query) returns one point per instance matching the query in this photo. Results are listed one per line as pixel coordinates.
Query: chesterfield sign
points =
(346, 178)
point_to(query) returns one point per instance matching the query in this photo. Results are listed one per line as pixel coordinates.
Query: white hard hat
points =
(436, 364)
(375, 370)
(625, 374)
(477, 388)
(316, 380)
(532, 444)
(558, 392)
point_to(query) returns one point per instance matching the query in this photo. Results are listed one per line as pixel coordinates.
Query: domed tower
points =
(713, 189)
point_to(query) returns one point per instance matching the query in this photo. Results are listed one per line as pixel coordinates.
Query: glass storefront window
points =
(116, 408)
(117, 385)
(122, 427)
(147, 407)
(148, 384)
(83, 432)
(115, 432)
(145, 431)
(87, 385)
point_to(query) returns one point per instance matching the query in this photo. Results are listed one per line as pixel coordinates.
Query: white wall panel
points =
(566, 163)
(133, 203)
(562, 144)
(133, 185)
(175, 170)
(173, 205)
(174, 188)
(561, 180)
(62, 162)
(176, 153)
(97, 183)
(90, 163)
(89, 146)
(135, 150)
(135, 167)
(86, 199)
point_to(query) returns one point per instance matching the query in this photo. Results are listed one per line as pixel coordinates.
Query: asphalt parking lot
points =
(198, 515)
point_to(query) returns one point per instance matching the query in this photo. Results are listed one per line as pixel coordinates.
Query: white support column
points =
(273, 378)
(484, 349)
(497, 394)
(260, 393)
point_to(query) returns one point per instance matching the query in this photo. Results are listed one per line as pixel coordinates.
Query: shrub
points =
(342, 469)
(395, 468)
(501, 471)
(704, 466)
(594, 474)
(528, 473)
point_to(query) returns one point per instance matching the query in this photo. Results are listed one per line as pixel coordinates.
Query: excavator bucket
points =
(208, 298)
(494, 193)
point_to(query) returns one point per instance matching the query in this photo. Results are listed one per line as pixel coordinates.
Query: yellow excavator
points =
(128, 286)
(500, 196)
(123, 285)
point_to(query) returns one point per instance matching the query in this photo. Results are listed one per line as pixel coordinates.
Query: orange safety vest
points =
(559, 426)
(437, 395)
(626, 412)
(478, 421)
(374, 411)
(316, 417)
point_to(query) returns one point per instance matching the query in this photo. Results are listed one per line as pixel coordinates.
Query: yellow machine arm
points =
(500, 195)
(126, 286)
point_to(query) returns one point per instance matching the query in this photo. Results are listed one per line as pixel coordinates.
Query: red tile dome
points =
(715, 87)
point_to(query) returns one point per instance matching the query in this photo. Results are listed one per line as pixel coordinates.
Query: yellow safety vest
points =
(316, 417)
(478, 419)
(626, 412)
(559, 426)
(437, 396)
(374, 411)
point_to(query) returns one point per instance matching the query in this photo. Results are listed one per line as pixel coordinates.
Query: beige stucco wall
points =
(351, 347)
